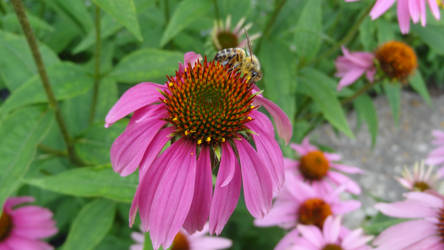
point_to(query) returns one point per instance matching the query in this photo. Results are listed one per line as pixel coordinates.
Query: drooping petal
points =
(380, 7)
(283, 124)
(133, 99)
(434, 8)
(350, 77)
(200, 207)
(173, 196)
(403, 16)
(340, 179)
(22, 243)
(225, 196)
(257, 184)
(10, 203)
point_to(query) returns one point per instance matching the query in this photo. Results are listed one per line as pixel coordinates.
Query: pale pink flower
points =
(300, 203)
(425, 231)
(184, 241)
(24, 227)
(321, 169)
(421, 178)
(332, 236)
(436, 157)
(407, 9)
(224, 37)
(352, 65)
(210, 116)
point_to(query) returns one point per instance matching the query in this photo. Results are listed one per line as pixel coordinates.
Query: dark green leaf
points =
(20, 133)
(365, 108)
(99, 181)
(307, 38)
(75, 10)
(11, 23)
(91, 225)
(419, 86)
(433, 35)
(124, 12)
(393, 92)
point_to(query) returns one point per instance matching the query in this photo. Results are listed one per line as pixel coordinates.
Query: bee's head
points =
(255, 68)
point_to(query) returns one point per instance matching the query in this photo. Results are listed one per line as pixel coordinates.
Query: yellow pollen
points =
(165, 101)
(170, 84)
(223, 139)
(208, 139)
(249, 118)
(175, 119)
(252, 106)
(199, 142)
(186, 132)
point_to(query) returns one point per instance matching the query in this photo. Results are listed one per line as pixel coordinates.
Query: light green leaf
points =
(185, 14)
(20, 133)
(433, 35)
(124, 12)
(10, 22)
(393, 92)
(67, 80)
(365, 108)
(318, 86)
(307, 38)
(147, 244)
(16, 61)
(99, 181)
(75, 10)
(91, 225)
(147, 65)
(419, 86)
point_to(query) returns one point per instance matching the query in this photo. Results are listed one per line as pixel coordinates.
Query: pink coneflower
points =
(425, 231)
(210, 115)
(436, 157)
(407, 9)
(184, 241)
(351, 66)
(24, 227)
(321, 168)
(223, 37)
(422, 178)
(300, 203)
(332, 237)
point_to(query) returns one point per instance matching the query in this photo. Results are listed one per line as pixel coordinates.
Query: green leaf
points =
(318, 86)
(147, 65)
(11, 23)
(418, 84)
(307, 38)
(433, 35)
(91, 225)
(16, 61)
(147, 245)
(379, 223)
(67, 80)
(393, 92)
(99, 181)
(75, 10)
(185, 14)
(365, 108)
(20, 133)
(124, 12)
(279, 78)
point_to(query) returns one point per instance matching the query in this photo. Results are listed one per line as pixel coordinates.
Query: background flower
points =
(351, 66)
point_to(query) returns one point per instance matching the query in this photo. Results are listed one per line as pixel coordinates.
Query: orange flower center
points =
(227, 39)
(180, 242)
(209, 104)
(397, 60)
(5, 226)
(332, 247)
(421, 186)
(313, 166)
(314, 211)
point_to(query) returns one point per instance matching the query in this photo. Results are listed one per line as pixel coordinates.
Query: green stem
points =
(97, 55)
(51, 151)
(277, 9)
(216, 10)
(30, 38)
(361, 91)
(166, 11)
(2, 7)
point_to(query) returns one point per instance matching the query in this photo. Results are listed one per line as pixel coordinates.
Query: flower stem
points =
(97, 53)
(51, 151)
(21, 15)
(216, 10)
(361, 91)
(277, 9)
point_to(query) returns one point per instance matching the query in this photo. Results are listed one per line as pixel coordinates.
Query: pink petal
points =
(225, 197)
(341, 179)
(423, 11)
(257, 184)
(312, 234)
(346, 206)
(403, 17)
(426, 199)
(262, 121)
(347, 169)
(128, 149)
(288, 240)
(210, 243)
(200, 207)
(405, 209)
(283, 124)
(282, 214)
(229, 162)
(133, 99)
(10, 203)
(331, 228)
(380, 7)
(413, 8)
(349, 78)
(355, 239)
(16, 242)
(173, 196)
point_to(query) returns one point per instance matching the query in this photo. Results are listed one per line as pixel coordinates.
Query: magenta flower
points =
(332, 236)
(209, 115)
(407, 9)
(425, 231)
(421, 178)
(300, 203)
(184, 241)
(321, 169)
(436, 157)
(351, 66)
(24, 227)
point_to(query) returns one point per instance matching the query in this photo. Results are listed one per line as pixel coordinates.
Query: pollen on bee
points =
(199, 141)
(208, 139)
(252, 107)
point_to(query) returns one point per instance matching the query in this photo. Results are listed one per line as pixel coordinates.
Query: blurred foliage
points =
(143, 40)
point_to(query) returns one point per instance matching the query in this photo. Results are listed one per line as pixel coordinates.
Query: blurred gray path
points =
(396, 146)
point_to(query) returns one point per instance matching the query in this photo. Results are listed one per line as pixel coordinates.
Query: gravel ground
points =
(396, 146)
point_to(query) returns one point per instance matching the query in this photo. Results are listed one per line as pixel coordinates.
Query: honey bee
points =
(237, 58)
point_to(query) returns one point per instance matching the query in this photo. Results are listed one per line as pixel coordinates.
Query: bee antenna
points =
(249, 44)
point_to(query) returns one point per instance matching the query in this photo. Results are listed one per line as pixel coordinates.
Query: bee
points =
(237, 58)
